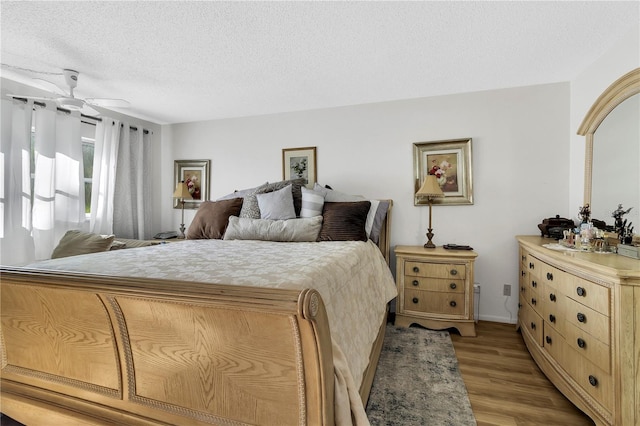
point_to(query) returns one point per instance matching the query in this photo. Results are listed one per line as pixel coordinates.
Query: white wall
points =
(520, 173)
(585, 89)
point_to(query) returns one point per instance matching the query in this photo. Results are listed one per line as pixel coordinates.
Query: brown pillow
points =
(76, 242)
(344, 221)
(212, 218)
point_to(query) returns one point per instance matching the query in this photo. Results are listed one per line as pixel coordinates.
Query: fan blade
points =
(49, 86)
(35, 98)
(87, 110)
(103, 102)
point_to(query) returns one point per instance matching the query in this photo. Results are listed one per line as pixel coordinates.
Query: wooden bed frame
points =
(141, 352)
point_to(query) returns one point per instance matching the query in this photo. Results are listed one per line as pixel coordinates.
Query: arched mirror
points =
(612, 158)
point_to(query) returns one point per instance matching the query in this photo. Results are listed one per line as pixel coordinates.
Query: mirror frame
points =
(619, 91)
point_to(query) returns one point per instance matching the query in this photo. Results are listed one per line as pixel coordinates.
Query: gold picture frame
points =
(300, 163)
(450, 161)
(195, 173)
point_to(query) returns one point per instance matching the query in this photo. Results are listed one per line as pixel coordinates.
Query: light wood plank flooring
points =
(505, 385)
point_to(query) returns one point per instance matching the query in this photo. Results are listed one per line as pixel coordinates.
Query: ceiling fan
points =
(69, 101)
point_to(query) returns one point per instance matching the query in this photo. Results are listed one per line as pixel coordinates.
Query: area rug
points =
(418, 381)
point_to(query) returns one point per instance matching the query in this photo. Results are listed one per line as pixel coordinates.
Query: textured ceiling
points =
(188, 61)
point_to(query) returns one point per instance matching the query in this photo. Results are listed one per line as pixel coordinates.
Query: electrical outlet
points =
(507, 290)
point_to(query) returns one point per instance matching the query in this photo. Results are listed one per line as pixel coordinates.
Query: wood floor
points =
(505, 385)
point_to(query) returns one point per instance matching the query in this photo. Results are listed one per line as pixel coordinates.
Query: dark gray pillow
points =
(344, 221)
(212, 218)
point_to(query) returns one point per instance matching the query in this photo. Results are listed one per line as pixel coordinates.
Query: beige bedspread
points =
(352, 278)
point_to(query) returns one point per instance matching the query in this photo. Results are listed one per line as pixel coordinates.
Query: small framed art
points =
(195, 173)
(450, 162)
(300, 163)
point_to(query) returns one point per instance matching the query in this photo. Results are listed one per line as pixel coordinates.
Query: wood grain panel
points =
(73, 330)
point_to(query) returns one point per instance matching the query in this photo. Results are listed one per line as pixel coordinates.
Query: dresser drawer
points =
(590, 294)
(591, 378)
(588, 320)
(532, 322)
(553, 307)
(434, 302)
(555, 345)
(434, 284)
(435, 270)
(588, 346)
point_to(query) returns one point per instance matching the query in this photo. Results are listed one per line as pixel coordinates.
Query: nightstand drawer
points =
(434, 284)
(435, 270)
(434, 302)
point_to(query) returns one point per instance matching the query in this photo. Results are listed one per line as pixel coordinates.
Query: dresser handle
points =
(531, 265)
(453, 272)
(549, 276)
(534, 301)
(533, 325)
(581, 343)
(452, 286)
(519, 305)
(415, 282)
(548, 339)
(552, 297)
(414, 300)
(524, 258)
(552, 318)
(453, 303)
(581, 291)
(522, 289)
(522, 273)
(416, 269)
(593, 381)
(534, 284)
(582, 317)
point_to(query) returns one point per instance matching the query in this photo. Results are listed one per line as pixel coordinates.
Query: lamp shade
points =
(182, 191)
(430, 188)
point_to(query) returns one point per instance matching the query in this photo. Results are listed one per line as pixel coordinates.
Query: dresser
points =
(435, 288)
(579, 315)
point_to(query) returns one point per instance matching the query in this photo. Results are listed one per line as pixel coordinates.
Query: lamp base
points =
(182, 229)
(429, 243)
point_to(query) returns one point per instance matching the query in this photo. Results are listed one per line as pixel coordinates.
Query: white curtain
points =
(16, 243)
(58, 190)
(105, 159)
(132, 212)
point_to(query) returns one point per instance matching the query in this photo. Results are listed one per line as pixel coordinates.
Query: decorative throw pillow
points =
(296, 185)
(277, 205)
(212, 217)
(344, 221)
(250, 207)
(333, 196)
(375, 217)
(292, 230)
(77, 242)
(312, 202)
(241, 193)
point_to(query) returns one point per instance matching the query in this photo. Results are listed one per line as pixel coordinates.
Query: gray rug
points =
(418, 381)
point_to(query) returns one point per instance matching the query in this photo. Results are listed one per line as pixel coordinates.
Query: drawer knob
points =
(552, 318)
(414, 300)
(534, 284)
(415, 282)
(453, 272)
(531, 265)
(524, 258)
(552, 297)
(581, 291)
(533, 325)
(522, 289)
(548, 339)
(452, 286)
(416, 269)
(453, 303)
(534, 301)
(519, 305)
(522, 273)
(593, 381)
(582, 317)
(549, 276)
(581, 343)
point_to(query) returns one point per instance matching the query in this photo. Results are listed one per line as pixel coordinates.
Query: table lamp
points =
(182, 192)
(430, 189)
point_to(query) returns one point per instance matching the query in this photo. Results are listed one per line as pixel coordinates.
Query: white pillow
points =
(292, 230)
(312, 203)
(277, 205)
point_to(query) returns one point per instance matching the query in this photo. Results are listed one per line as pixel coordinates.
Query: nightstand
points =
(435, 288)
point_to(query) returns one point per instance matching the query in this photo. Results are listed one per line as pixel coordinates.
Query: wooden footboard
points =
(94, 350)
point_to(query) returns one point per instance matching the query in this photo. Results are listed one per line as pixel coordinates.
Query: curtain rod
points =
(66, 111)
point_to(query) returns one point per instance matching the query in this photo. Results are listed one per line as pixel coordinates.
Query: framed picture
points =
(195, 173)
(450, 161)
(300, 163)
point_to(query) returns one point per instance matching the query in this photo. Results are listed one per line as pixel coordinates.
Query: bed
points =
(203, 331)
